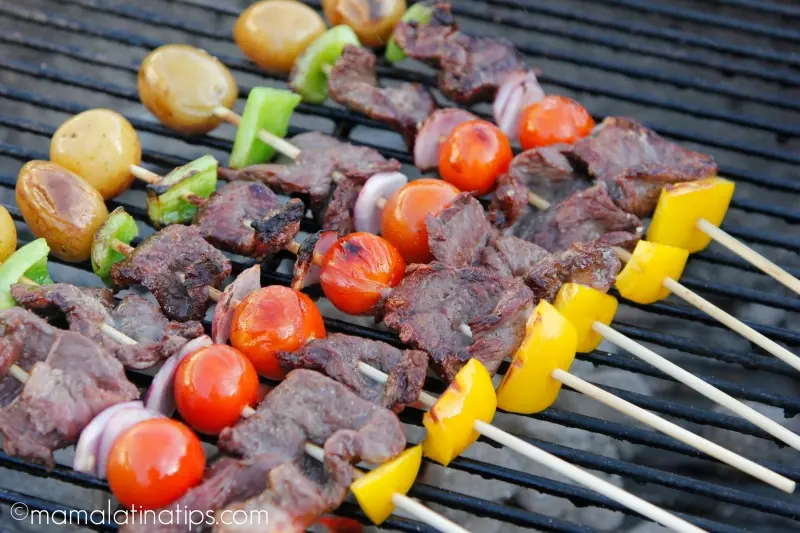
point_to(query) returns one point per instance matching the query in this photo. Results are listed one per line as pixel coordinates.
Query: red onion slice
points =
(160, 396)
(517, 92)
(118, 423)
(324, 243)
(88, 445)
(245, 283)
(434, 130)
(367, 212)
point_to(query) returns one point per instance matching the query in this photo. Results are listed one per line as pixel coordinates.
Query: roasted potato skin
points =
(61, 207)
(181, 85)
(372, 20)
(273, 33)
(8, 234)
(98, 145)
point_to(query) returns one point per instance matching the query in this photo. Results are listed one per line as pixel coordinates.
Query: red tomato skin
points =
(213, 385)
(553, 120)
(154, 463)
(356, 271)
(474, 155)
(274, 319)
(403, 219)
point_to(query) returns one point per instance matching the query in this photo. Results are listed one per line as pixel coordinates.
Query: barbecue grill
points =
(719, 76)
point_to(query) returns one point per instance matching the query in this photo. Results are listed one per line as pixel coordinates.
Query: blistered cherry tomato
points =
(213, 385)
(271, 320)
(553, 120)
(474, 156)
(358, 269)
(403, 219)
(154, 463)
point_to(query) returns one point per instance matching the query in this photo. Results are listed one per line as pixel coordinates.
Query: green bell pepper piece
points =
(30, 261)
(309, 76)
(266, 109)
(119, 225)
(169, 200)
(421, 12)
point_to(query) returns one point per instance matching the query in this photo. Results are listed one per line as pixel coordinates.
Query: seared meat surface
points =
(458, 233)
(430, 305)
(584, 263)
(544, 171)
(471, 69)
(339, 213)
(71, 382)
(635, 163)
(584, 216)
(338, 356)
(511, 255)
(87, 310)
(353, 83)
(177, 265)
(312, 173)
(249, 219)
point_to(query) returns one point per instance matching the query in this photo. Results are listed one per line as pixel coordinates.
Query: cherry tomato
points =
(271, 320)
(213, 385)
(358, 269)
(154, 463)
(553, 120)
(474, 156)
(403, 219)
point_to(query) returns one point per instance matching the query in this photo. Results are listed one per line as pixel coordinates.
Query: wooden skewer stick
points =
(270, 139)
(564, 468)
(748, 254)
(411, 506)
(723, 317)
(143, 174)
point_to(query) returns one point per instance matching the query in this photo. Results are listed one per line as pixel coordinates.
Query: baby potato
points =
(372, 20)
(274, 32)
(61, 207)
(181, 85)
(98, 145)
(8, 234)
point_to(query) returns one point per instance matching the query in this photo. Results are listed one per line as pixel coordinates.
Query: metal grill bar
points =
(764, 7)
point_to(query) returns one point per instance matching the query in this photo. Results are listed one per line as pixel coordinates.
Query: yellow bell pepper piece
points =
(583, 306)
(550, 342)
(374, 490)
(679, 208)
(450, 422)
(642, 279)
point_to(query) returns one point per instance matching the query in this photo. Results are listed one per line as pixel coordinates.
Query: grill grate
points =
(620, 57)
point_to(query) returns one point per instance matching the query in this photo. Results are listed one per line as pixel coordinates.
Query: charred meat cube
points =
(584, 263)
(339, 212)
(471, 68)
(353, 83)
(457, 234)
(432, 303)
(338, 356)
(544, 171)
(322, 160)
(177, 265)
(636, 163)
(511, 256)
(249, 219)
(71, 382)
(584, 216)
(87, 310)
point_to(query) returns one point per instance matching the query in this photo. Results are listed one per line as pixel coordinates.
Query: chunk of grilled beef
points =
(312, 174)
(308, 406)
(353, 83)
(457, 234)
(247, 281)
(511, 256)
(584, 216)
(339, 213)
(584, 263)
(636, 163)
(430, 305)
(71, 382)
(86, 310)
(471, 69)
(247, 218)
(177, 265)
(544, 171)
(338, 356)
